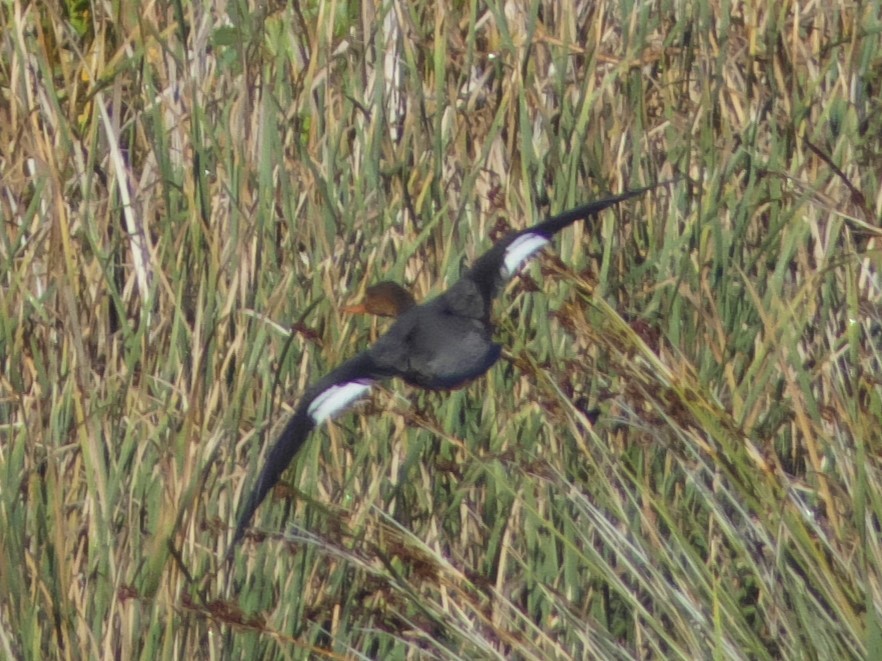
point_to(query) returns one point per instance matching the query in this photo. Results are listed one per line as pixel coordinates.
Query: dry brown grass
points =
(679, 456)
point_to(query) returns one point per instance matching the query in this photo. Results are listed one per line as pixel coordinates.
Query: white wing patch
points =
(335, 399)
(519, 251)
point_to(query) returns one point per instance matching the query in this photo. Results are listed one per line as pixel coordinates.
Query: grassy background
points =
(678, 456)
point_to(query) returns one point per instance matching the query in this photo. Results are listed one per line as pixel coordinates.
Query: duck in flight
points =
(440, 345)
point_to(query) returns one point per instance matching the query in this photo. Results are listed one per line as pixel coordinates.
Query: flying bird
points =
(440, 344)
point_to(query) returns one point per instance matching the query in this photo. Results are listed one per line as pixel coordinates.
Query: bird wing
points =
(330, 396)
(493, 269)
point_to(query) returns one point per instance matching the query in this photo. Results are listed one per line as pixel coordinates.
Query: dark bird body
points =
(440, 345)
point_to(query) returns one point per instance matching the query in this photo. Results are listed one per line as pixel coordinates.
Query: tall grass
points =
(677, 457)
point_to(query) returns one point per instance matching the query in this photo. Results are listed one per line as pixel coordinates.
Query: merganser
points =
(440, 345)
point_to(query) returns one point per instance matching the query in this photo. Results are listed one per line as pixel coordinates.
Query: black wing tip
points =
(551, 226)
(630, 193)
(658, 184)
(231, 549)
(244, 520)
(280, 456)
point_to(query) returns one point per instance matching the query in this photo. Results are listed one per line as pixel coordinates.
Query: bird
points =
(441, 344)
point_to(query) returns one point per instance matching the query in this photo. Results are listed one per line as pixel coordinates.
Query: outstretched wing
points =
(330, 396)
(493, 269)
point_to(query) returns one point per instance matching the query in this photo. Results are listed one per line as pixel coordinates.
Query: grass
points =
(677, 457)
